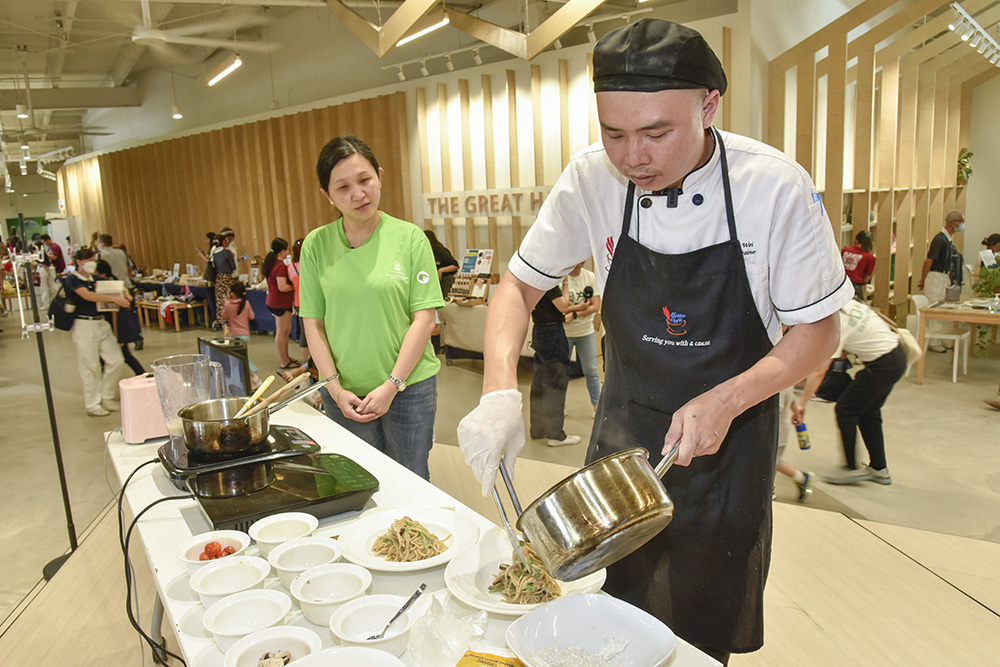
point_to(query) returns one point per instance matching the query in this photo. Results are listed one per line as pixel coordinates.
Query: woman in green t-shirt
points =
(367, 301)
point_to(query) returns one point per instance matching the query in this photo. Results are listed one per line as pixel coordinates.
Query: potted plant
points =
(987, 286)
(964, 166)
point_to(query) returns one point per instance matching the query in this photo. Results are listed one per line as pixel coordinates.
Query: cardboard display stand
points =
(472, 282)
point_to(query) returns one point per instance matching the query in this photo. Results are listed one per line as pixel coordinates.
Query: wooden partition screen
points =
(911, 80)
(258, 178)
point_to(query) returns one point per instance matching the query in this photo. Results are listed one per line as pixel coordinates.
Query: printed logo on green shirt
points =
(423, 277)
(397, 272)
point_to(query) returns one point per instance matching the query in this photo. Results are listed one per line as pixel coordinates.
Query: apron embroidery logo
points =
(676, 322)
(610, 245)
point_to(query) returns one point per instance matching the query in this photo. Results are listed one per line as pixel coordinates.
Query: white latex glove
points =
(494, 429)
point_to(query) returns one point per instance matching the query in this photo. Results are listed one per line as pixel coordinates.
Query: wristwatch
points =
(400, 384)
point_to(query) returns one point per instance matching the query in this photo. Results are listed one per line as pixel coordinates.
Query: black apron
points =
(678, 325)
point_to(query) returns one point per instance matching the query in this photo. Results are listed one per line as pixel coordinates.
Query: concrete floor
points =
(941, 439)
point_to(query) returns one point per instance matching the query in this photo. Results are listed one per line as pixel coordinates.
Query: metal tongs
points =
(515, 541)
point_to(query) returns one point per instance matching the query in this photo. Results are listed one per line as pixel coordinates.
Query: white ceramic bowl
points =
(322, 590)
(354, 622)
(355, 656)
(190, 549)
(272, 530)
(292, 558)
(588, 621)
(225, 576)
(299, 642)
(238, 615)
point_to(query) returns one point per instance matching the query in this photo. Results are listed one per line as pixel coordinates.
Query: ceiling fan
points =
(191, 35)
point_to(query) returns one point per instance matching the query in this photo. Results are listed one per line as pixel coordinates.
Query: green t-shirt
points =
(365, 297)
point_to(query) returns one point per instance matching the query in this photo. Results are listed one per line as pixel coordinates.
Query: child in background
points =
(236, 316)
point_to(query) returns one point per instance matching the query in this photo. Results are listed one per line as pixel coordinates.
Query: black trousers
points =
(860, 406)
(548, 387)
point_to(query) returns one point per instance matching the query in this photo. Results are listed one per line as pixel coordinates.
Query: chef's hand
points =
(701, 425)
(348, 403)
(798, 412)
(378, 400)
(494, 429)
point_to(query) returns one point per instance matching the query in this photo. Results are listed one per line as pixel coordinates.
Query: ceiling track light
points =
(400, 75)
(978, 38)
(423, 68)
(591, 37)
(447, 63)
(476, 57)
(557, 44)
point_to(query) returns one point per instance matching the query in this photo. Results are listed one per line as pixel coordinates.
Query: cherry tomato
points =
(204, 556)
(213, 549)
(228, 551)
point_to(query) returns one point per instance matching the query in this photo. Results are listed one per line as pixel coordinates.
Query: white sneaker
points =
(110, 404)
(570, 440)
(98, 412)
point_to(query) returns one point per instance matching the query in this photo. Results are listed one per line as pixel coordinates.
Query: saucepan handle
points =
(664, 465)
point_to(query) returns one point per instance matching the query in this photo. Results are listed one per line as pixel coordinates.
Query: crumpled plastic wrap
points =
(441, 636)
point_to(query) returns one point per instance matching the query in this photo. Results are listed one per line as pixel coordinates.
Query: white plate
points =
(470, 574)
(588, 622)
(456, 530)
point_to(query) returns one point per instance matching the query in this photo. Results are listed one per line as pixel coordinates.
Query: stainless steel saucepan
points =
(599, 514)
(211, 428)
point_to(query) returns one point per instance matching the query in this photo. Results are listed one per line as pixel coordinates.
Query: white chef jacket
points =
(792, 261)
(864, 334)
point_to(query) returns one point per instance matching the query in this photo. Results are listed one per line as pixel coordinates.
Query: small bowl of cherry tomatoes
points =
(213, 545)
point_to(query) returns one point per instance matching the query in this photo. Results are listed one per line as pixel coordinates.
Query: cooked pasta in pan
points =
(407, 541)
(520, 586)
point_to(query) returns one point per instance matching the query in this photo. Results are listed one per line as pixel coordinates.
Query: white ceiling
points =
(78, 55)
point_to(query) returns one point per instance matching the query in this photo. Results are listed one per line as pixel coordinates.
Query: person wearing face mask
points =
(704, 243)
(93, 337)
(936, 273)
(280, 297)
(367, 296)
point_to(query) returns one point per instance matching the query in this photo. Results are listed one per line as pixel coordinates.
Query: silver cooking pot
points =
(599, 514)
(210, 428)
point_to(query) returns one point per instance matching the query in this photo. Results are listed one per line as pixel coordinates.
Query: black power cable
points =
(123, 539)
(128, 579)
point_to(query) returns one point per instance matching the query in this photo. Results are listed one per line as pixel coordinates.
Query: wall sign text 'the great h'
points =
(485, 203)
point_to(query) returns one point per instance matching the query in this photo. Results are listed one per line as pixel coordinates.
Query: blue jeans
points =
(586, 352)
(405, 433)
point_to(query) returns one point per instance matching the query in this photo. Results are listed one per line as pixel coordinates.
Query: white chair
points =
(957, 336)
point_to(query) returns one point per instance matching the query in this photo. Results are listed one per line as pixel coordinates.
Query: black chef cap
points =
(652, 55)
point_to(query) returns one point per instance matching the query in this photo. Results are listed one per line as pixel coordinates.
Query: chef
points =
(704, 243)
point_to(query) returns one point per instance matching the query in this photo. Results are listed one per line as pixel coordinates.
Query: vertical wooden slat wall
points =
(258, 178)
(911, 116)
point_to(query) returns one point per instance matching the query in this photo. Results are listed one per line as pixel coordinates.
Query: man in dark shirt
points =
(937, 267)
(551, 377)
(936, 274)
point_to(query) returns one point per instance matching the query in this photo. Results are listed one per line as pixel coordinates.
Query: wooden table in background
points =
(956, 315)
(146, 307)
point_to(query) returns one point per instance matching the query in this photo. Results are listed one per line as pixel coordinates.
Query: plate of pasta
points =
(484, 577)
(408, 538)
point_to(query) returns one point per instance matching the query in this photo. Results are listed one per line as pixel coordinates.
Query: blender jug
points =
(184, 379)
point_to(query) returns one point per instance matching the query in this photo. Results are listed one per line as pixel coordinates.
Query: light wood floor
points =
(841, 591)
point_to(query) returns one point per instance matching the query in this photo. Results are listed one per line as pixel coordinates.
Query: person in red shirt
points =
(859, 262)
(280, 297)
